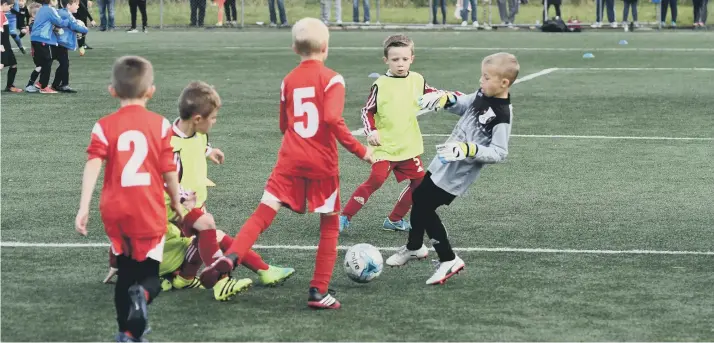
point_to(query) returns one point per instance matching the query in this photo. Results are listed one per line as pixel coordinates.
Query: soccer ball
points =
(363, 263)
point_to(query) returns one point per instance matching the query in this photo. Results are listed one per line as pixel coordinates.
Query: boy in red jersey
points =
(136, 146)
(312, 98)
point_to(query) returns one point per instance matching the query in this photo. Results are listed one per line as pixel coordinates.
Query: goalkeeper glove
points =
(455, 151)
(437, 100)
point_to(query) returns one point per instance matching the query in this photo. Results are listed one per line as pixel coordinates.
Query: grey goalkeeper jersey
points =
(485, 121)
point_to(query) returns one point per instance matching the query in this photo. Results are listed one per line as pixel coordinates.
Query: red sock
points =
(254, 262)
(380, 171)
(326, 252)
(251, 260)
(146, 294)
(207, 246)
(404, 203)
(248, 234)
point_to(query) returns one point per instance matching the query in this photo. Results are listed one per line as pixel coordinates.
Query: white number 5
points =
(130, 175)
(309, 127)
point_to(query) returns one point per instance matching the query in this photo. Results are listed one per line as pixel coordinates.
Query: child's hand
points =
(24, 30)
(2, 48)
(373, 138)
(93, 23)
(217, 156)
(369, 157)
(80, 222)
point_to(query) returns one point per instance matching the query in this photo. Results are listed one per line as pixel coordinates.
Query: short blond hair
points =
(309, 35)
(506, 65)
(198, 98)
(132, 77)
(34, 7)
(397, 41)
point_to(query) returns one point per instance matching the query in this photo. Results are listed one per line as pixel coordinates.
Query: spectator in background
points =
(281, 9)
(465, 13)
(554, 3)
(673, 4)
(198, 12)
(610, 4)
(231, 12)
(626, 10)
(700, 13)
(106, 14)
(355, 11)
(141, 6)
(434, 9)
(325, 11)
(508, 13)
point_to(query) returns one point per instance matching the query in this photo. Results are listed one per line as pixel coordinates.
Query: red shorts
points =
(322, 195)
(190, 219)
(410, 169)
(139, 249)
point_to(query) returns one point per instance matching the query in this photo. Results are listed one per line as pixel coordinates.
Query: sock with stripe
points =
(208, 246)
(404, 203)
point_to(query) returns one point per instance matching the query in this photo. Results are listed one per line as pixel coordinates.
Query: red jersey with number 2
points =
(312, 98)
(135, 143)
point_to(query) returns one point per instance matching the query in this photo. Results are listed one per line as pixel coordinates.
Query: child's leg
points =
(379, 174)
(258, 222)
(62, 72)
(252, 260)
(126, 277)
(11, 77)
(221, 5)
(45, 61)
(33, 76)
(18, 41)
(326, 252)
(404, 203)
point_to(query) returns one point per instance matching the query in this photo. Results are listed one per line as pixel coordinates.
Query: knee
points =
(205, 222)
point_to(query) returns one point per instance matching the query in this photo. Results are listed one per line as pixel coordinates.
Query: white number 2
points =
(130, 175)
(309, 127)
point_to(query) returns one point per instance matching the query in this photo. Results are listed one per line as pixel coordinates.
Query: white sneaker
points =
(32, 89)
(405, 255)
(475, 25)
(445, 270)
(596, 25)
(464, 23)
(613, 24)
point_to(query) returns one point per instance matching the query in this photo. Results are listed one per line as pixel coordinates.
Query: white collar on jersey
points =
(177, 130)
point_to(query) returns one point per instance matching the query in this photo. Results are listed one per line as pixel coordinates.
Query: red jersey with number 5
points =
(312, 98)
(135, 143)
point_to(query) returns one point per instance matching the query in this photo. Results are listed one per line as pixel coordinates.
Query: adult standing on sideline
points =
(610, 4)
(672, 4)
(325, 11)
(281, 10)
(106, 14)
(355, 11)
(133, 6)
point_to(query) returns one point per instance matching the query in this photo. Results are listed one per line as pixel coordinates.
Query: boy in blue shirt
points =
(67, 40)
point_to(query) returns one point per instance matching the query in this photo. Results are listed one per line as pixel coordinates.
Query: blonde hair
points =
(309, 36)
(397, 41)
(132, 77)
(198, 98)
(34, 7)
(506, 64)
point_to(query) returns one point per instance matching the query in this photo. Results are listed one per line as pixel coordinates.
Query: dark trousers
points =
(43, 56)
(665, 4)
(62, 73)
(443, 11)
(141, 5)
(557, 10)
(231, 12)
(626, 10)
(610, 5)
(700, 11)
(198, 12)
(132, 272)
(424, 219)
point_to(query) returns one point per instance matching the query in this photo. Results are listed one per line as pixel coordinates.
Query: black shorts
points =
(8, 57)
(42, 53)
(430, 193)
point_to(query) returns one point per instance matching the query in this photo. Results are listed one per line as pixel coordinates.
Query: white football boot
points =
(445, 270)
(405, 255)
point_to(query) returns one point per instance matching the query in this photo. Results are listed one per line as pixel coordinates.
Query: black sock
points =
(11, 77)
(33, 77)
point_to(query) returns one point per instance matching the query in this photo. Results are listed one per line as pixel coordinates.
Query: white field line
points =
(645, 138)
(471, 48)
(637, 69)
(344, 247)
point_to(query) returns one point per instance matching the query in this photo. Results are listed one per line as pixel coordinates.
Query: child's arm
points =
(334, 103)
(368, 112)
(168, 170)
(89, 180)
(283, 114)
(56, 20)
(214, 154)
(495, 152)
(76, 27)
